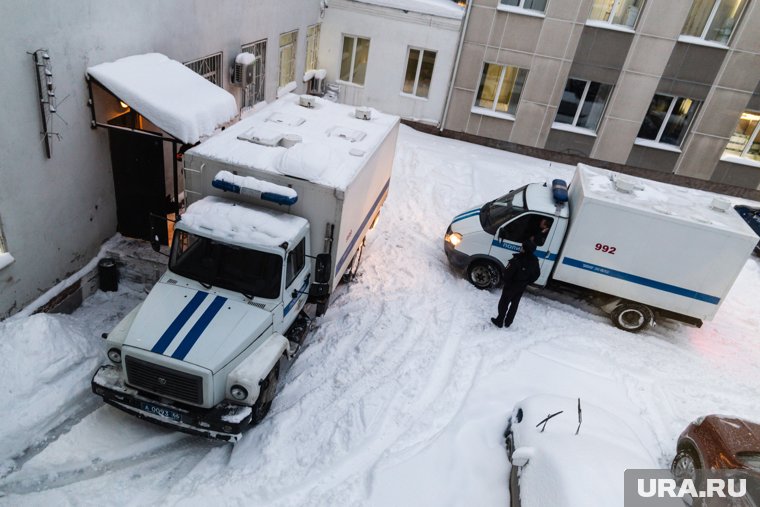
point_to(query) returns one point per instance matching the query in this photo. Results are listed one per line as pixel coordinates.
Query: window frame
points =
(666, 118)
(520, 7)
(352, 66)
(581, 102)
(298, 251)
(613, 11)
(753, 138)
(493, 111)
(292, 60)
(708, 24)
(413, 93)
(312, 46)
(217, 73)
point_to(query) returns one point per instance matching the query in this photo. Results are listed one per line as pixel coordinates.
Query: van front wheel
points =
(484, 274)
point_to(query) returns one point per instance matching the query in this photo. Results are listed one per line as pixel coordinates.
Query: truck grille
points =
(164, 381)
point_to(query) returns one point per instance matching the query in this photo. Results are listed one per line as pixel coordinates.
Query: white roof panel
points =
(174, 98)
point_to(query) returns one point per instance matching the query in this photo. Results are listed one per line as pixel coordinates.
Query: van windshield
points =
(497, 212)
(210, 262)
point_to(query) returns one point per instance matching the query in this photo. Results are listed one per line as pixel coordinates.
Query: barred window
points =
(254, 92)
(209, 67)
(288, 57)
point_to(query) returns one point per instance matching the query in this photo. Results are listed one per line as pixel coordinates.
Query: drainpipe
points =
(462, 30)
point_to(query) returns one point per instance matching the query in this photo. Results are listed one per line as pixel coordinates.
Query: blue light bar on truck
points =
(559, 191)
(228, 186)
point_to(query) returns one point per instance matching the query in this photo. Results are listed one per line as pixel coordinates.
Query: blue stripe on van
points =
(466, 215)
(171, 332)
(199, 327)
(541, 254)
(654, 284)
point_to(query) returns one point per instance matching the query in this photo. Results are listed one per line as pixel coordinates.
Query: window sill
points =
(609, 26)
(349, 83)
(698, 41)
(410, 96)
(520, 10)
(493, 114)
(6, 259)
(734, 159)
(572, 128)
(646, 143)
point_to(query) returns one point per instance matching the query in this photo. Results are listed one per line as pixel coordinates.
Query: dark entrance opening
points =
(137, 159)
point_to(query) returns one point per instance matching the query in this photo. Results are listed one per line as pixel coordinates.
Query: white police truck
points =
(279, 206)
(642, 248)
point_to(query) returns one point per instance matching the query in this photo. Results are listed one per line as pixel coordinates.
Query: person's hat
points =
(528, 246)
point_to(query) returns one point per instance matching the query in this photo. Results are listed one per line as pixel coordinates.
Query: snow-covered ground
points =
(403, 391)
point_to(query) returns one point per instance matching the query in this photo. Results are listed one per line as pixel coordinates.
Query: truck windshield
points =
(250, 272)
(497, 212)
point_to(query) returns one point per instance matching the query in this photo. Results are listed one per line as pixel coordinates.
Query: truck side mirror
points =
(322, 268)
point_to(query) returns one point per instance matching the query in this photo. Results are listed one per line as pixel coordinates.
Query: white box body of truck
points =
(339, 166)
(657, 244)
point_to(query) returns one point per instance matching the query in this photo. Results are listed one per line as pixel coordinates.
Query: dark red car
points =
(717, 442)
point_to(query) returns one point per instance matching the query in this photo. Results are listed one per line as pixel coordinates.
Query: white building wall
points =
(391, 32)
(55, 213)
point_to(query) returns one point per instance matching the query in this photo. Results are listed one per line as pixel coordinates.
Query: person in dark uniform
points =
(542, 231)
(522, 270)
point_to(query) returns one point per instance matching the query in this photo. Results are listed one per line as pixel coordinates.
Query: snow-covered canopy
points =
(173, 97)
(443, 8)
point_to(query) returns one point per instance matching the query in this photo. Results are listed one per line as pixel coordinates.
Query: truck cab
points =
(481, 241)
(203, 352)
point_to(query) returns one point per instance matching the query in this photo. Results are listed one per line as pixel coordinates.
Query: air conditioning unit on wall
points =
(242, 70)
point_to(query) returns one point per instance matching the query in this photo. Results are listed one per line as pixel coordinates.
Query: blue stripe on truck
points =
(197, 330)
(171, 332)
(350, 246)
(654, 284)
(541, 254)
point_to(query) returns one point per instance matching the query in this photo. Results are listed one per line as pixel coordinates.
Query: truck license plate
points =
(160, 411)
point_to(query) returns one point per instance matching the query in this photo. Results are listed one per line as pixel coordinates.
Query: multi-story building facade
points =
(667, 85)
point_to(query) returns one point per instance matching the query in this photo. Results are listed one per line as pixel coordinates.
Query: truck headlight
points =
(239, 392)
(454, 238)
(114, 355)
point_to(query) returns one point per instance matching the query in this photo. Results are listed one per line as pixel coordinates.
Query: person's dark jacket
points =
(522, 270)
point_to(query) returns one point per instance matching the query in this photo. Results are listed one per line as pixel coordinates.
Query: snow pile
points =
(308, 75)
(171, 96)
(46, 362)
(287, 88)
(239, 223)
(245, 58)
(6, 259)
(442, 8)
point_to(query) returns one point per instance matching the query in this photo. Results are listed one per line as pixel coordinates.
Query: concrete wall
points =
(391, 32)
(55, 213)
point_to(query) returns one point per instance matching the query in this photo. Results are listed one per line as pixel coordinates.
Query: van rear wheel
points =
(632, 317)
(484, 274)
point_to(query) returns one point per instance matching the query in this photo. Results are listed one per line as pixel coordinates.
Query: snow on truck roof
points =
(328, 144)
(686, 204)
(239, 223)
(173, 97)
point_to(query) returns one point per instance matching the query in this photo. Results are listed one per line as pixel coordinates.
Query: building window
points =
(288, 57)
(668, 119)
(713, 20)
(745, 141)
(500, 88)
(531, 5)
(353, 63)
(617, 12)
(254, 92)
(583, 103)
(419, 72)
(312, 47)
(209, 67)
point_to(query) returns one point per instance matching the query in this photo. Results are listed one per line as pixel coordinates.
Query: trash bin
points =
(108, 275)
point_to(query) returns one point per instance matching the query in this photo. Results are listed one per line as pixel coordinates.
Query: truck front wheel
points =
(484, 274)
(266, 395)
(632, 317)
